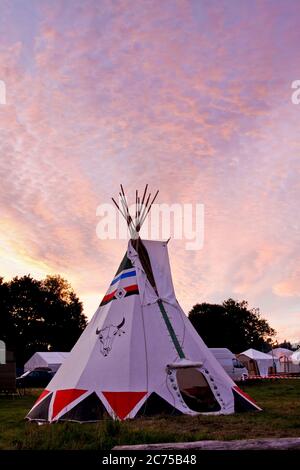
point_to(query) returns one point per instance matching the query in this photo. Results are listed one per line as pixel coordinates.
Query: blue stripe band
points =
(123, 276)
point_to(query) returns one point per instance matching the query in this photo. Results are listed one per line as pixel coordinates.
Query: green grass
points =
(280, 417)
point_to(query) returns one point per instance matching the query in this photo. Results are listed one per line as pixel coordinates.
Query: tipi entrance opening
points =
(195, 391)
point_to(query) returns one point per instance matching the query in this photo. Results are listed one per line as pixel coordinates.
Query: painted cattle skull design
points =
(107, 335)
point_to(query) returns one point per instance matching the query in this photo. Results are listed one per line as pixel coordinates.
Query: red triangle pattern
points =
(244, 394)
(64, 398)
(123, 402)
(42, 395)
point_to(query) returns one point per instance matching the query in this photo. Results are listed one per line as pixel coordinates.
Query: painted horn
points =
(121, 324)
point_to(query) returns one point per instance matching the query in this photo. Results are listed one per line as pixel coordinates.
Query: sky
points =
(192, 97)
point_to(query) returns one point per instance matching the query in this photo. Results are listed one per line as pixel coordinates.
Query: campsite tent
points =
(257, 362)
(286, 363)
(295, 358)
(282, 352)
(53, 360)
(139, 354)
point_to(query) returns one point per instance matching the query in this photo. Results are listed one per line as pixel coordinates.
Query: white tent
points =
(53, 360)
(295, 357)
(286, 363)
(262, 360)
(139, 354)
(281, 352)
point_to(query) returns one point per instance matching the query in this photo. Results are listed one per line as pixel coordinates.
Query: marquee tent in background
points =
(295, 358)
(258, 363)
(282, 352)
(50, 359)
(139, 355)
(286, 363)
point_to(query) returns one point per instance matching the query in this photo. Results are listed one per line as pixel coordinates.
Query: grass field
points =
(280, 417)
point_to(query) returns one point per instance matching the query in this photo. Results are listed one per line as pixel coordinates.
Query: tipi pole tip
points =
(145, 192)
(149, 208)
(142, 208)
(118, 207)
(116, 204)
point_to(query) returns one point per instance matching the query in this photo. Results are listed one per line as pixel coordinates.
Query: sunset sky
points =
(190, 96)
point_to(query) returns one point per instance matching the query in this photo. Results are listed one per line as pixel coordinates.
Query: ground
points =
(280, 418)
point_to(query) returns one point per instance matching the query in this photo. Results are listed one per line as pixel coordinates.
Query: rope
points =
(146, 352)
(170, 329)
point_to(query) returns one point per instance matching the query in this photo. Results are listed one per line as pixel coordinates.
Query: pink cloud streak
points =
(192, 97)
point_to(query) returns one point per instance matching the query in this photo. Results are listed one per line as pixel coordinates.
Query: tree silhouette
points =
(41, 315)
(232, 325)
(285, 344)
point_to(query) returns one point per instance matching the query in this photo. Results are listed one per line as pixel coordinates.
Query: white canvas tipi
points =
(139, 354)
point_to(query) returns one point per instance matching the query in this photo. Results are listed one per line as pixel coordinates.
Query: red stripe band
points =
(108, 297)
(129, 291)
(131, 288)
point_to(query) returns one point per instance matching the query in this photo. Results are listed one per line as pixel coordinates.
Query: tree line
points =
(232, 325)
(39, 315)
(47, 315)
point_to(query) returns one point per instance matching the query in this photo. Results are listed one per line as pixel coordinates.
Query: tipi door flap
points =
(194, 390)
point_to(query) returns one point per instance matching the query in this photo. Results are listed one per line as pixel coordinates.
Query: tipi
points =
(139, 354)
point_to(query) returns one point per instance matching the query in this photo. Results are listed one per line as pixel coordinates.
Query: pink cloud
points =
(289, 287)
(193, 99)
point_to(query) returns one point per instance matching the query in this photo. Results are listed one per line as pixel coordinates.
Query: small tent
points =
(286, 363)
(257, 362)
(295, 358)
(52, 360)
(139, 354)
(281, 352)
